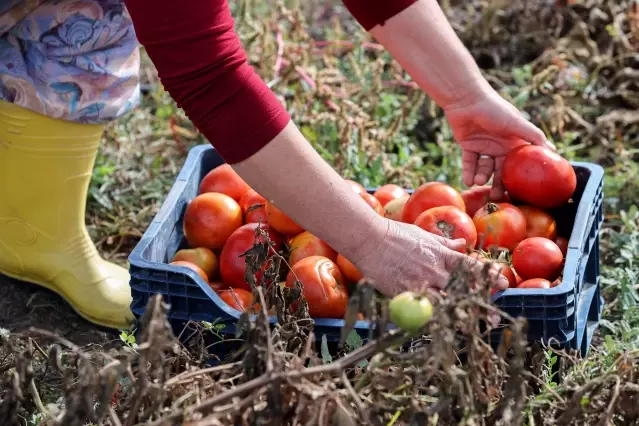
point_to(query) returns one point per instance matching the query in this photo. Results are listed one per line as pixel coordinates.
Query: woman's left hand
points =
(488, 127)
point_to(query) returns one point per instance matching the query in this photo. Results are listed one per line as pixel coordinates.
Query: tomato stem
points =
(446, 228)
(492, 208)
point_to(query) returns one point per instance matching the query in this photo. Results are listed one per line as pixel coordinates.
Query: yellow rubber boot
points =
(45, 170)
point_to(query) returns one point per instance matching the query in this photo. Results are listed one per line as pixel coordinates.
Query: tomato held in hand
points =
(393, 209)
(373, 202)
(355, 186)
(538, 176)
(210, 219)
(499, 225)
(324, 286)
(538, 223)
(349, 270)
(306, 245)
(429, 195)
(280, 221)
(253, 206)
(233, 264)
(389, 192)
(225, 180)
(503, 268)
(239, 299)
(477, 197)
(537, 258)
(535, 283)
(449, 222)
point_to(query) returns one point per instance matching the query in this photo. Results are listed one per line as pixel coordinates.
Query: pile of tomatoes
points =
(220, 225)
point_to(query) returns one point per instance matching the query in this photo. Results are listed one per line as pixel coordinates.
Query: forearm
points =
(423, 42)
(289, 172)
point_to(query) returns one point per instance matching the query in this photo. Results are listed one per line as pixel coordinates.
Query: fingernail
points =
(503, 282)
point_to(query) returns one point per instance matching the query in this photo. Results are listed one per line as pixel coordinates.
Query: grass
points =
(366, 118)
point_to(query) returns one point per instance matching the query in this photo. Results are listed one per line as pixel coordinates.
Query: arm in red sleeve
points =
(202, 65)
(370, 13)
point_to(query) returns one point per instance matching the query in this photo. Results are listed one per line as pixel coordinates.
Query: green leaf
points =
(326, 355)
(353, 340)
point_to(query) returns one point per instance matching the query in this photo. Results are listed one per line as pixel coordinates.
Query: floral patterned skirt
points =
(75, 60)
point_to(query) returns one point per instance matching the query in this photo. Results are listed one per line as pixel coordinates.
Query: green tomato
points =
(410, 313)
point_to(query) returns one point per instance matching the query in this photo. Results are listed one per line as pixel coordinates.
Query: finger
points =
(498, 189)
(531, 133)
(454, 260)
(469, 160)
(485, 166)
(455, 245)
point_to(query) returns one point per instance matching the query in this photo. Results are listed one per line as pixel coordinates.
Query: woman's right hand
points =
(409, 258)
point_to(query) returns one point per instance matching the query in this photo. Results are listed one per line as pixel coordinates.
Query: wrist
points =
(468, 93)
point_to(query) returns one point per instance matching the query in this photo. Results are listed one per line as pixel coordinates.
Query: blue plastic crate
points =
(569, 312)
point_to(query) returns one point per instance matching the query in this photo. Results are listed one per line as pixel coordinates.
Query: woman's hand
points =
(488, 127)
(409, 258)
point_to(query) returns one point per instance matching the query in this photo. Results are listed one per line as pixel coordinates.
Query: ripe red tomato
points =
(210, 219)
(192, 266)
(503, 268)
(253, 206)
(225, 180)
(389, 192)
(237, 298)
(217, 286)
(356, 186)
(429, 195)
(349, 270)
(232, 266)
(305, 245)
(324, 286)
(535, 283)
(477, 197)
(280, 221)
(537, 258)
(449, 222)
(499, 225)
(538, 223)
(202, 257)
(538, 176)
(373, 202)
(562, 243)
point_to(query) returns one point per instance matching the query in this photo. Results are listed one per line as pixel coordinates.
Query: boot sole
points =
(88, 317)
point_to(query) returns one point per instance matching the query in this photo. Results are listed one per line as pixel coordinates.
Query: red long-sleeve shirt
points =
(202, 65)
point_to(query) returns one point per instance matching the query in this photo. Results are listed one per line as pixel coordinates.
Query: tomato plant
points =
(535, 283)
(192, 266)
(538, 176)
(233, 264)
(305, 245)
(210, 219)
(499, 225)
(324, 286)
(373, 202)
(538, 223)
(225, 180)
(280, 221)
(239, 299)
(477, 197)
(389, 192)
(449, 222)
(349, 270)
(429, 195)
(410, 312)
(537, 258)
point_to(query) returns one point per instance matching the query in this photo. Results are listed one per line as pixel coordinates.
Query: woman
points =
(68, 66)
